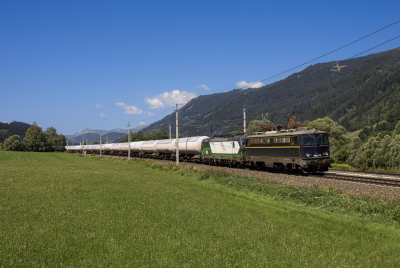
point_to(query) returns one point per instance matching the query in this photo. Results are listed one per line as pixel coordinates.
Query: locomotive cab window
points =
(309, 140)
(294, 141)
(322, 139)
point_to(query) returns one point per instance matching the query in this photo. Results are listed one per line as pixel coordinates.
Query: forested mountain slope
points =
(356, 92)
(13, 128)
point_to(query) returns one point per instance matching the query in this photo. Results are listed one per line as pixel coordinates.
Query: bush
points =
(340, 166)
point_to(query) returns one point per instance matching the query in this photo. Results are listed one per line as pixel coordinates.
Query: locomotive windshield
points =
(309, 140)
(315, 139)
(322, 139)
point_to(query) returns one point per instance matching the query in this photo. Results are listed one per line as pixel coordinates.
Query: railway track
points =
(364, 172)
(382, 179)
(392, 182)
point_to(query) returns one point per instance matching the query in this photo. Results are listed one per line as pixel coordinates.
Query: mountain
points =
(355, 92)
(104, 132)
(13, 128)
(91, 137)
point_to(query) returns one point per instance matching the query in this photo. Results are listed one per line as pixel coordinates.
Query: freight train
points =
(300, 149)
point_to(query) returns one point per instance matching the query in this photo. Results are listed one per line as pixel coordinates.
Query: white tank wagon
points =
(148, 147)
(123, 147)
(74, 148)
(115, 147)
(135, 146)
(94, 148)
(107, 147)
(191, 146)
(188, 147)
(166, 146)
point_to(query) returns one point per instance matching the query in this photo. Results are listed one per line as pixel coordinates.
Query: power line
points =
(154, 115)
(291, 69)
(353, 56)
(322, 69)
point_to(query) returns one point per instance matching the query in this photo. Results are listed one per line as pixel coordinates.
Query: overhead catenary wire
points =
(170, 108)
(358, 54)
(381, 44)
(326, 54)
(319, 57)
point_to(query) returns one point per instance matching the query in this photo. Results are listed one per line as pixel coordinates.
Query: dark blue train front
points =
(290, 149)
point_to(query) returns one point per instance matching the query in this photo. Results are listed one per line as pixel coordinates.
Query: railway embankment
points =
(354, 188)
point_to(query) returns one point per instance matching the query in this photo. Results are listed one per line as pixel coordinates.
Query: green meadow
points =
(58, 209)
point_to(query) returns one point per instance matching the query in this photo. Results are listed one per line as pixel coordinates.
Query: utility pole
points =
(170, 131)
(129, 140)
(177, 137)
(107, 138)
(83, 143)
(100, 143)
(244, 119)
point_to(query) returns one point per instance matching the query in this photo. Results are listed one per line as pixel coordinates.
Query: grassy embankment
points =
(57, 209)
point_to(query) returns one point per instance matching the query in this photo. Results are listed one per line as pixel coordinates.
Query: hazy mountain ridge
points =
(349, 91)
(104, 132)
(91, 137)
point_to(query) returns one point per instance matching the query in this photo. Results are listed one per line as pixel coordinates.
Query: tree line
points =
(147, 136)
(374, 147)
(36, 140)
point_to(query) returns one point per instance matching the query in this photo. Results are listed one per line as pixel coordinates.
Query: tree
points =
(336, 135)
(352, 150)
(138, 136)
(95, 142)
(257, 125)
(34, 138)
(51, 136)
(394, 154)
(397, 129)
(13, 143)
(60, 143)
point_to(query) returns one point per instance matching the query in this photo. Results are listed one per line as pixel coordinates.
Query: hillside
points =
(356, 92)
(112, 137)
(13, 128)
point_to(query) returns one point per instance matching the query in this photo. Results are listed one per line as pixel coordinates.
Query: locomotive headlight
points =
(326, 154)
(308, 155)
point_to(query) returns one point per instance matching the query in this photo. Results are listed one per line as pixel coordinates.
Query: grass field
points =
(63, 210)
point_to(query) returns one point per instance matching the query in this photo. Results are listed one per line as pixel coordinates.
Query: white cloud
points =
(142, 123)
(98, 106)
(102, 115)
(154, 103)
(150, 113)
(204, 87)
(176, 97)
(130, 109)
(244, 84)
(170, 98)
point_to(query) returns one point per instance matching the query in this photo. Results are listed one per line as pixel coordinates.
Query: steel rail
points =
(361, 179)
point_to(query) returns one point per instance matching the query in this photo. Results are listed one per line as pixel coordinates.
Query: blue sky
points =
(100, 64)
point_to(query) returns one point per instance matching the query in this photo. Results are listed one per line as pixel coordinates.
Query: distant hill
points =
(112, 137)
(356, 92)
(104, 132)
(13, 128)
